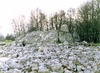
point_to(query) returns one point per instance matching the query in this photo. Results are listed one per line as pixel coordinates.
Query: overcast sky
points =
(10, 9)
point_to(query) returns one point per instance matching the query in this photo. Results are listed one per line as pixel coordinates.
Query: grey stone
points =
(15, 65)
(3, 59)
(43, 70)
(57, 58)
(67, 71)
(87, 71)
(56, 67)
(47, 36)
(64, 28)
(14, 71)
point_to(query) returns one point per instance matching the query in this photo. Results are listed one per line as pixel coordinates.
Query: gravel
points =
(49, 58)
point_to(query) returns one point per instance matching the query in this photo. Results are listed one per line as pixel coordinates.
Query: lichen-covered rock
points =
(64, 28)
(46, 37)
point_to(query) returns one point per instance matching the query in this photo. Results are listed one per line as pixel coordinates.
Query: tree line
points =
(85, 21)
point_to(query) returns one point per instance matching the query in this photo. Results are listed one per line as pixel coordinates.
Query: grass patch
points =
(96, 44)
(6, 42)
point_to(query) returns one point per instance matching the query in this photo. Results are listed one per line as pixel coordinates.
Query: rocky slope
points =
(49, 58)
(45, 36)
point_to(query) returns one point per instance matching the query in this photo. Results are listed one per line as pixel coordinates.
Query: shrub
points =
(10, 37)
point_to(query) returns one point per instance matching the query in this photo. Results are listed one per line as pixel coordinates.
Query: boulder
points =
(64, 36)
(46, 37)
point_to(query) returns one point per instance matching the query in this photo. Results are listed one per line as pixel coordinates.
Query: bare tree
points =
(71, 16)
(19, 26)
(34, 20)
(51, 22)
(38, 21)
(57, 20)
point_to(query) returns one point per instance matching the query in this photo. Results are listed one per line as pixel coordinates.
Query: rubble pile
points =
(49, 58)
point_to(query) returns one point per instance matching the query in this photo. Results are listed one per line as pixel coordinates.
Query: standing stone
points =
(65, 35)
(64, 28)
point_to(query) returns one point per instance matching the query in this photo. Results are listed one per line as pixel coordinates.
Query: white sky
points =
(10, 9)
